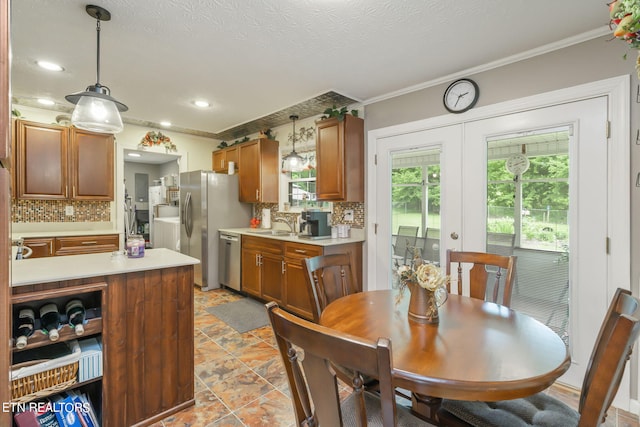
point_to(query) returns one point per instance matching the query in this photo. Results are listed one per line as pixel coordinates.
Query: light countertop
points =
(60, 229)
(357, 235)
(56, 268)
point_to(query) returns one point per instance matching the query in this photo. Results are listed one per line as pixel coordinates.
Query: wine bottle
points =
(75, 315)
(50, 320)
(25, 325)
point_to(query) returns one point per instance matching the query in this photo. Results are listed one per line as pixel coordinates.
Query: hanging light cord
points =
(294, 134)
(98, 51)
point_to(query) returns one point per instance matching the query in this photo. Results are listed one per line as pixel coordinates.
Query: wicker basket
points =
(39, 378)
(44, 383)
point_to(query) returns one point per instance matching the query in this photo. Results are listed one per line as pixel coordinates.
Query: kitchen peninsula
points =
(144, 315)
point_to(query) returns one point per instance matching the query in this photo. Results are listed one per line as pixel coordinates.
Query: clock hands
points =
(460, 96)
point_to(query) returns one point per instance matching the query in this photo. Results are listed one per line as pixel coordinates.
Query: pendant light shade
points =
(293, 162)
(96, 110)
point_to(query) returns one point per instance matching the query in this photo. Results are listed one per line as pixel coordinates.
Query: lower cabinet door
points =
(251, 272)
(297, 296)
(272, 270)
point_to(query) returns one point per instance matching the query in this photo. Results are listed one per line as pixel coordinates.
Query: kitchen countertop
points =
(357, 235)
(60, 229)
(56, 268)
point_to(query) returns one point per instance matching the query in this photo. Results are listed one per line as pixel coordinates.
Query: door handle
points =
(188, 225)
(454, 235)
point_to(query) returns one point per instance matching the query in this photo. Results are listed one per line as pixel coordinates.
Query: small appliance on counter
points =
(315, 225)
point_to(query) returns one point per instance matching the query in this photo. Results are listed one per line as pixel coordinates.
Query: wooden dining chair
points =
(313, 383)
(618, 334)
(484, 266)
(328, 277)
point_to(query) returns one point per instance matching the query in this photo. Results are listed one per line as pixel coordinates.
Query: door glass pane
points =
(528, 206)
(415, 205)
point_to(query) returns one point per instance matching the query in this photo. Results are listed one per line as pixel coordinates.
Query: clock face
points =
(517, 164)
(461, 96)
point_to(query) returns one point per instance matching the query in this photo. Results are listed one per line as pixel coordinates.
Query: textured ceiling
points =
(258, 58)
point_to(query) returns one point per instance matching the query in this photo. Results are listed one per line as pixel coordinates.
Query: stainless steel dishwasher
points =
(229, 260)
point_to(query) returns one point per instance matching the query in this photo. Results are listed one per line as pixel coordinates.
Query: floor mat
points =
(242, 315)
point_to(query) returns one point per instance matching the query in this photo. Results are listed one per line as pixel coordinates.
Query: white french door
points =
(588, 208)
(598, 208)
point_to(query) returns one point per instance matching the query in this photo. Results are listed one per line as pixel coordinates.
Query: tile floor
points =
(240, 381)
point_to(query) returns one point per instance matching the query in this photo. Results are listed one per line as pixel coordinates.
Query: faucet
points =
(288, 222)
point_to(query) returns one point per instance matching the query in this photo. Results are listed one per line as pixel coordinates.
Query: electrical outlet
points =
(348, 215)
(68, 210)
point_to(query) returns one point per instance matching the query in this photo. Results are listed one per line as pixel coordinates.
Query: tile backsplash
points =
(55, 211)
(338, 212)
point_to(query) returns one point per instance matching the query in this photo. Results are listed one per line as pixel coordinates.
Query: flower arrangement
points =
(157, 138)
(625, 17)
(425, 274)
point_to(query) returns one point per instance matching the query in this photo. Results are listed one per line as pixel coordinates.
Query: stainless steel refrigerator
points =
(208, 202)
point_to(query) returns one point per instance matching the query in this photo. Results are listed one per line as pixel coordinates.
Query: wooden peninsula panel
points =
(149, 364)
(147, 335)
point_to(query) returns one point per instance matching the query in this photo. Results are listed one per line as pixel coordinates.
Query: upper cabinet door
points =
(258, 175)
(41, 161)
(340, 159)
(91, 165)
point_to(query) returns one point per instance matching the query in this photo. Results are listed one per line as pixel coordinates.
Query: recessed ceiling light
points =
(133, 154)
(49, 66)
(165, 123)
(44, 101)
(201, 103)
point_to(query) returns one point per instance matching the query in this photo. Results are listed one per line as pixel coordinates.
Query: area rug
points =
(242, 315)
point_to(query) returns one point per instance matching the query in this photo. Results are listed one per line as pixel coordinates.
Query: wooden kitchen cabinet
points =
(297, 298)
(221, 158)
(262, 268)
(41, 246)
(340, 159)
(77, 245)
(272, 270)
(41, 161)
(56, 162)
(91, 165)
(258, 175)
(72, 245)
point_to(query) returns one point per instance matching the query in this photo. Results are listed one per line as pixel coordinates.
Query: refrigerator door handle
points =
(188, 215)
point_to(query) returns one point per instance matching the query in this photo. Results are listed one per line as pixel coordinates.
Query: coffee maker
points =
(315, 225)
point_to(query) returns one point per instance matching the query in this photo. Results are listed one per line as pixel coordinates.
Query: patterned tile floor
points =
(240, 381)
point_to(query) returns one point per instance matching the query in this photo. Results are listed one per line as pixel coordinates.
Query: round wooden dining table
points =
(478, 351)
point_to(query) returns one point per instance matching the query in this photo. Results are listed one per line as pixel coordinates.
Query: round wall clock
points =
(461, 96)
(517, 164)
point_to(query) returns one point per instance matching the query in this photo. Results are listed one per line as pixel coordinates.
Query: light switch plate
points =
(348, 215)
(68, 210)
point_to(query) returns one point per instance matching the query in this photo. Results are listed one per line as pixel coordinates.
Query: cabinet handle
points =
(74, 191)
(257, 260)
(66, 191)
(284, 267)
(300, 251)
(51, 247)
(93, 242)
(257, 194)
(222, 163)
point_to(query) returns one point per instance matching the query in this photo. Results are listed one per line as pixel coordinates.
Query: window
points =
(301, 186)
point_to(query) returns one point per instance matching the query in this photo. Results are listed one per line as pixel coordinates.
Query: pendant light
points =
(293, 162)
(96, 110)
